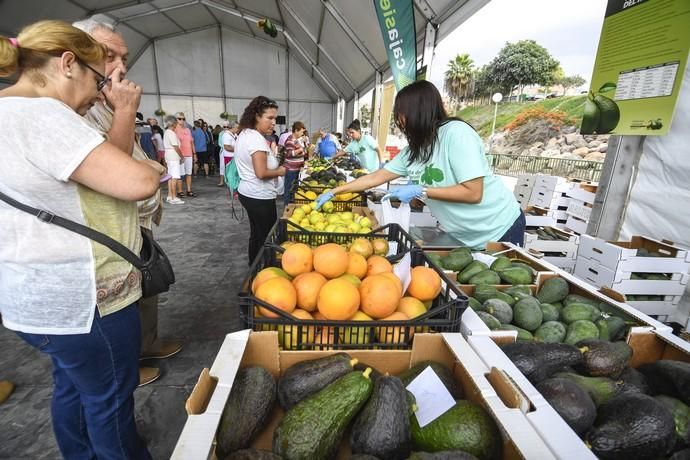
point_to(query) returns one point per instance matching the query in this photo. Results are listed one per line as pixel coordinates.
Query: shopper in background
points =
(184, 135)
(173, 159)
(328, 146)
(364, 147)
(259, 170)
(158, 143)
(295, 155)
(221, 152)
(446, 164)
(51, 292)
(145, 136)
(200, 148)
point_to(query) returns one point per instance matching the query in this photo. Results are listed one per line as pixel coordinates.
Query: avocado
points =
(313, 428)
(600, 389)
(251, 399)
(474, 304)
(363, 457)
(601, 358)
(550, 312)
(458, 260)
(550, 331)
(435, 258)
(581, 330)
(251, 454)
(470, 270)
(522, 334)
(491, 321)
(308, 377)
(681, 417)
(632, 425)
(500, 263)
(518, 291)
(576, 298)
(578, 311)
(571, 402)
(484, 292)
(441, 371)
(382, 428)
(517, 275)
(485, 277)
(499, 310)
(466, 426)
(539, 361)
(527, 314)
(668, 377)
(683, 454)
(553, 290)
(443, 455)
(632, 378)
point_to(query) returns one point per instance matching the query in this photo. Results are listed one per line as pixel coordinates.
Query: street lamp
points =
(497, 97)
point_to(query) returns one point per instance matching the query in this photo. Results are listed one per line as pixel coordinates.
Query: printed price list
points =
(651, 81)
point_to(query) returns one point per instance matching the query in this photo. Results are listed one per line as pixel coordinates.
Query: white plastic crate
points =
(554, 183)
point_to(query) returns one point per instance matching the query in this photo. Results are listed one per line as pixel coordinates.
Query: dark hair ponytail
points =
(355, 125)
(256, 108)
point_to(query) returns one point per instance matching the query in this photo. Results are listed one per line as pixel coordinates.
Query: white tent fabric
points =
(325, 50)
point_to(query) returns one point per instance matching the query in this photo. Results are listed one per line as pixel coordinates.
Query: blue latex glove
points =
(321, 199)
(404, 193)
(381, 165)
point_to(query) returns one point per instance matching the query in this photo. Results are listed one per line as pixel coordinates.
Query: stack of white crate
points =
(562, 253)
(580, 207)
(523, 189)
(618, 266)
(550, 193)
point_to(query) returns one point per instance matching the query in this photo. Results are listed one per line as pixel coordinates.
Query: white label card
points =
(486, 258)
(432, 397)
(403, 271)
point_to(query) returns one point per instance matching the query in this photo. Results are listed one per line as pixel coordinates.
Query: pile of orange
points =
(331, 282)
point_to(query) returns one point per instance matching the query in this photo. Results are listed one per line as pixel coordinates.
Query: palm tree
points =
(458, 79)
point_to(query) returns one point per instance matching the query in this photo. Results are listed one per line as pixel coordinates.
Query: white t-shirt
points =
(248, 142)
(47, 274)
(170, 140)
(158, 142)
(228, 138)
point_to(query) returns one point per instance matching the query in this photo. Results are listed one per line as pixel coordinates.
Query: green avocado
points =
(457, 261)
(553, 290)
(499, 310)
(519, 291)
(516, 275)
(580, 330)
(600, 389)
(550, 312)
(527, 314)
(551, 331)
(681, 416)
(575, 298)
(485, 277)
(579, 311)
(522, 334)
(500, 263)
(474, 304)
(470, 270)
(490, 320)
(435, 258)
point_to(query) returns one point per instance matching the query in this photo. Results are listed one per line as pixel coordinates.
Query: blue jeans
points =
(290, 178)
(516, 233)
(95, 375)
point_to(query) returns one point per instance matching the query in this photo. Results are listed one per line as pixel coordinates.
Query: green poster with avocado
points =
(642, 54)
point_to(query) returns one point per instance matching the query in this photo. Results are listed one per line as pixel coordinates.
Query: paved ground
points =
(208, 251)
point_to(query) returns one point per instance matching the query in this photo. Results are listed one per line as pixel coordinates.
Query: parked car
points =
(552, 95)
(535, 97)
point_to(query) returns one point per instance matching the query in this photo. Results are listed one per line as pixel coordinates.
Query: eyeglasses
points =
(181, 118)
(269, 103)
(103, 79)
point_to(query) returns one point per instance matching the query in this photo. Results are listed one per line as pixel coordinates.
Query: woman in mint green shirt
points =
(364, 147)
(445, 163)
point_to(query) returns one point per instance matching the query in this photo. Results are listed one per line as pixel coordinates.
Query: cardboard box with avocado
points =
(243, 349)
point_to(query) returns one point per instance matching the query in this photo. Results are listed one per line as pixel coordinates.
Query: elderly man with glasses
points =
(184, 135)
(115, 116)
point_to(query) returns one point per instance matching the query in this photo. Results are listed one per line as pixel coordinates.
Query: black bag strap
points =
(50, 218)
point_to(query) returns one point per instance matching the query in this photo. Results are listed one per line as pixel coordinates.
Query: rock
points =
(581, 152)
(538, 145)
(593, 149)
(569, 129)
(525, 152)
(552, 142)
(603, 147)
(580, 143)
(567, 148)
(593, 144)
(596, 156)
(561, 140)
(570, 156)
(535, 151)
(551, 153)
(571, 138)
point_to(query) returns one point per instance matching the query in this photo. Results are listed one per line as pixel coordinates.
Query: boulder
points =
(594, 144)
(596, 156)
(551, 153)
(581, 152)
(552, 142)
(561, 140)
(571, 138)
(525, 152)
(569, 129)
(570, 156)
(538, 145)
(580, 142)
(603, 147)
(567, 148)
(535, 151)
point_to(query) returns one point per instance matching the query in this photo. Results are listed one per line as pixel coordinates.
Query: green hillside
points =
(481, 116)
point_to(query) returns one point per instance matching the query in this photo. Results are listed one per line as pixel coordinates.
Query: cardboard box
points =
(541, 217)
(649, 345)
(569, 247)
(584, 192)
(500, 398)
(622, 255)
(555, 183)
(576, 225)
(579, 209)
(566, 264)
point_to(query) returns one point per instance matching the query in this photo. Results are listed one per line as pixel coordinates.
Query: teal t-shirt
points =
(458, 157)
(365, 149)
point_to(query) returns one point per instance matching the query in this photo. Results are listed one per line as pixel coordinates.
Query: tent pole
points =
(429, 46)
(220, 66)
(376, 104)
(287, 89)
(155, 75)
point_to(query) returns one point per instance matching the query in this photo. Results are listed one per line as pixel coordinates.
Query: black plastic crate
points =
(444, 315)
(391, 233)
(338, 205)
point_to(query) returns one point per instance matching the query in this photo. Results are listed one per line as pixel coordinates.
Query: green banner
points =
(396, 19)
(642, 54)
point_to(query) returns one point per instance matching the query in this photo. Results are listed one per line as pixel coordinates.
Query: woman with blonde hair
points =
(48, 274)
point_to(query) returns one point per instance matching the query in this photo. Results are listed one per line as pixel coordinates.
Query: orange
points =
(289, 335)
(362, 246)
(308, 286)
(357, 265)
(425, 284)
(379, 296)
(338, 299)
(331, 260)
(395, 278)
(351, 278)
(411, 307)
(377, 265)
(279, 293)
(266, 274)
(297, 259)
(396, 334)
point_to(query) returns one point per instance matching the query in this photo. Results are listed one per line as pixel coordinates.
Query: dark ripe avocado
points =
(632, 426)
(571, 402)
(601, 358)
(363, 457)
(252, 454)
(681, 455)
(251, 399)
(590, 118)
(539, 361)
(443, 455)
(441, 371)
(668, 377)
(600, 389)
(609, 114)
(382, 428)
(681, 417)
(307, 377)
(314, 427)
(466, 426)
(634, 379)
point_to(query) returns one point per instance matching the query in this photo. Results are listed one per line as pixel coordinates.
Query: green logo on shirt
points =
(431, 175)
(361, 149)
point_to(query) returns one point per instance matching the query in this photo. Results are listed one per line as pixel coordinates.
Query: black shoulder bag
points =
(156, 271)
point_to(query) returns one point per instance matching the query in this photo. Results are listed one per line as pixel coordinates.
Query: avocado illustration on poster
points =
(642, 54)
